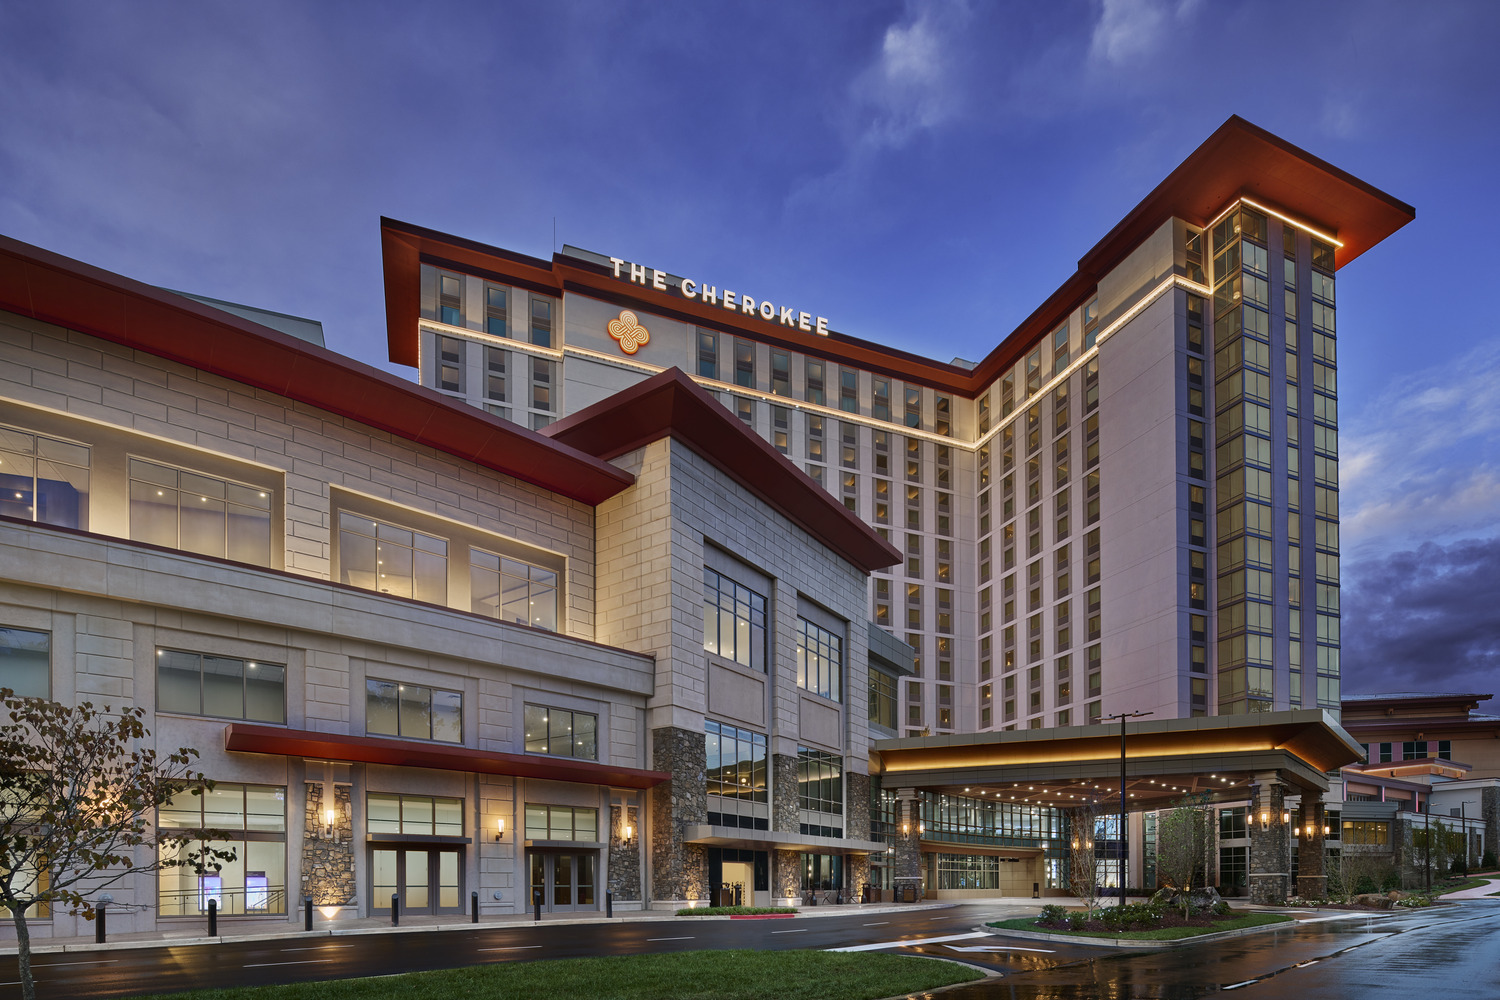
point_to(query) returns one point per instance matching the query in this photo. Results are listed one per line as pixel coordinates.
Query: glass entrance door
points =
(428, 880)
(564, 879)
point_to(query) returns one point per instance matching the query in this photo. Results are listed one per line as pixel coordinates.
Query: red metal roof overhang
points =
(55, 289)
(240, 737)
(672, 405)
(1239, 159)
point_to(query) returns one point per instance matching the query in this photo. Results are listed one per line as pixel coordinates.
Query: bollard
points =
(1036, 890)
(536, 904)
(609, 904)
(395, 909)
(99, 923)
(474, 902)
(307, 913)
(213, 918)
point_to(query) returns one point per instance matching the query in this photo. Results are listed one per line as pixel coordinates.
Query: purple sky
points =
(923, 174)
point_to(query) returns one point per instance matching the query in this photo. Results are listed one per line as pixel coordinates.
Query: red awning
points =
(242, 738)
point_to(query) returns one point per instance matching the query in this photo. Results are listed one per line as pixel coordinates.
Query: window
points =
(414, 815)
(541, 321)
(820, 660)
(1370, 834)
(541, 385)
(253, 821)
(781, 374)
(450, 299)
(495, 365)
(744, 363)
(734, 620)
(881, 395)
(913, 407)
(378, 556)
(849, 390)
(708, 354)
(43, 479)
(512, 590)
(561, 823)
(736, 762)
(814, 381)
(882, 698)
(820, 781)
(220, 686)
(450, 371)
(413, 711)
(562, 733)
(196, 513)
(25, 662)
(495, 313)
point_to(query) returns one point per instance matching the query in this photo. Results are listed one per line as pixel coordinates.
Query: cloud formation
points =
(1130, 31)
(909, 88)
(1425, 619)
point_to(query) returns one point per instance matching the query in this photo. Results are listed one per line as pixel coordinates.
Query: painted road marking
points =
(914, 941)
(878, 923)
(306, 961)
(515, 947)
(795, 930)
(688, 938)
(1003, 947)
(321, 947)
(59, 965)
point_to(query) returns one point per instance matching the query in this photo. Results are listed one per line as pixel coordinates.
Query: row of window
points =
(46, 480)
(735, 628)
(226, 687)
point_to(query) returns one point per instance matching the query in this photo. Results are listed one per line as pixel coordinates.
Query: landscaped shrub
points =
(1391, 881)
(1365, 884)
(1488, 862)
(1077, 921)
(1054, 914)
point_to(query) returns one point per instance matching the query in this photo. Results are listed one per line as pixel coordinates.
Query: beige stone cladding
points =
(59, 381)
(109, 607)
(655, 539)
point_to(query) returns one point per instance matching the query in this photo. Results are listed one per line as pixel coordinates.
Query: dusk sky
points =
(923, 174)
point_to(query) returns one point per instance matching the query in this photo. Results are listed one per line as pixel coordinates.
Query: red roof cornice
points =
(243, 737)
(55, 289)
(672, 405)
(1238, 160)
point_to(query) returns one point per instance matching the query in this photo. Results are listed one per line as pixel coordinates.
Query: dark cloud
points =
(1424, 620)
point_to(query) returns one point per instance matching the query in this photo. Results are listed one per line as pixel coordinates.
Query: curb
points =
(1133, 944)
(77, 945)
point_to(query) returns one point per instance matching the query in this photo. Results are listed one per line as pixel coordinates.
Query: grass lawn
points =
(1155, 934)
(683, 975)
(1455, 885)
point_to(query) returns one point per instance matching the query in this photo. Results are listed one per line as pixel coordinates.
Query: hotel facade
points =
(622, 597)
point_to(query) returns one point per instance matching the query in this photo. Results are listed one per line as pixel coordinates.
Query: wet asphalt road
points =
(1452, 953)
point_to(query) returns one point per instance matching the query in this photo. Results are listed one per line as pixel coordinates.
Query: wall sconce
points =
(499, 829)
(905, 828)
(1286, 816)
(921, 829)
(1265, 818)
(328, 819)
(1310, 830)
(1325, 829)
(627, 834)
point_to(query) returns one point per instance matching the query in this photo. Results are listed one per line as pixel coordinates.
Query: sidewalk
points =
(1478, 892)
(342, 927)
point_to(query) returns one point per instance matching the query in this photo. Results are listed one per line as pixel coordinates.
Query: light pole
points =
(1124, 830)
(1427, 829)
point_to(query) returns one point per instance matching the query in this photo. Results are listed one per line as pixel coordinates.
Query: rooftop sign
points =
(735, 302)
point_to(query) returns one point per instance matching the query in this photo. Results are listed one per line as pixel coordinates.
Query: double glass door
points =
(427, 879)
(565, 879)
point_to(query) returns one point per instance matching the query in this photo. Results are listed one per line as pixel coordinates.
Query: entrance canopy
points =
(1165, 760)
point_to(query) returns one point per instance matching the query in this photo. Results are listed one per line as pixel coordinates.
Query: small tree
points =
(1083, 863)
(1182, 838)
(78, 793)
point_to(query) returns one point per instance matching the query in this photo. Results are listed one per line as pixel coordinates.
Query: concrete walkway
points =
(271, 930)
(1478, 892)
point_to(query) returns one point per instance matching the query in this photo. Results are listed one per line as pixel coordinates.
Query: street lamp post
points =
(1124, 835)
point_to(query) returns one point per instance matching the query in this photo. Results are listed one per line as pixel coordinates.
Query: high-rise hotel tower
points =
(1131, 503)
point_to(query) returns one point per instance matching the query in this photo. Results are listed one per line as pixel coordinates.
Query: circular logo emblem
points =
(629, 332)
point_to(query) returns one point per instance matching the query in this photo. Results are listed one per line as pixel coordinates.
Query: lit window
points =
(413, 711)
(734, 620)
(512, 590)
(197, 513)
(392, 560)
(220, 686)
(562, 733)
(43, 479)
(820, 660)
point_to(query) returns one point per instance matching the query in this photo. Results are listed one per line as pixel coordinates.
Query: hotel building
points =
(611, 600)
(1130, 504)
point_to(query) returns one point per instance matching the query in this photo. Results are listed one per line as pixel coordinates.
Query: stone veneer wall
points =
(327, 865)
(1312, 880)
(678, 871)
(624, 859)
(784, 793)
(786, 876)
(1270, 848)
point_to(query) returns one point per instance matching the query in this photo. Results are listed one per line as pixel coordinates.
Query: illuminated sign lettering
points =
(735, 302)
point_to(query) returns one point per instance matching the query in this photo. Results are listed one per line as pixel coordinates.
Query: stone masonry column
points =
(679, 872)
(786, 866)
(1312, 880)
(1270, 854)
(625, 858)
(908, 856)
(856, 827)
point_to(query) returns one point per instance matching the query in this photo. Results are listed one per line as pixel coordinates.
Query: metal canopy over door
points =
(565, 879)
(428, 879)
